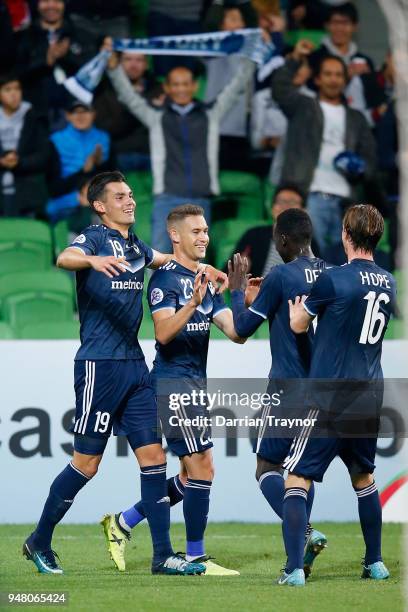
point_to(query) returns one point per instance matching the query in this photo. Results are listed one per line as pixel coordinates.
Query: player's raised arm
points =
(168, 323)
(299, 317)
(245, 321)
(74, 260)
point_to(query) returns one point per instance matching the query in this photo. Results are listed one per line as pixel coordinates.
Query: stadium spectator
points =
(268, 124)
(183, 140)
(100, 18)
(379, 93)
(319, 130)
(20, 14)
(130, 137)
(258, 244)
(170, 19)
(78, 151)
(234, 145)
(215, 13)
(50, 50)
(310, 14)
(23, 154)
(341, 25)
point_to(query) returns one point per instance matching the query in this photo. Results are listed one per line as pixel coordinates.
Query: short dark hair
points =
(336, 58)
(10, 77)
(345, 10)
(185, 210)
(97, 185)
(364, 226)
(295, 223)
(289, 187)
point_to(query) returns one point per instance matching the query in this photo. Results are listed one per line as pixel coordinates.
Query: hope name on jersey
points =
(353, 304)
(290, 352)
(171, 286)
(110, 309)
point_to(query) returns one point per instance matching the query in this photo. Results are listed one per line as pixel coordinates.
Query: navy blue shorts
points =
(115, 395)
(184, 426)
(311, 457)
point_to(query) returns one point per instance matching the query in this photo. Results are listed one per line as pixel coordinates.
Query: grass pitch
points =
(93, 584)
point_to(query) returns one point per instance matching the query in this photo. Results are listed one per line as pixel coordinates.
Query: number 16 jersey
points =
(353, 303)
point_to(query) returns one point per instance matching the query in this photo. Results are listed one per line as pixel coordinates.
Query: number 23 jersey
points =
(171, 287)
(353, 304)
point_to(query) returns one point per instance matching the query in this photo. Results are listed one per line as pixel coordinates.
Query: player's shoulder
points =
(164, 275)
(94, 231)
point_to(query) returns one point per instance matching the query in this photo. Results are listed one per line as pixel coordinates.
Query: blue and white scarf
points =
(246, 43)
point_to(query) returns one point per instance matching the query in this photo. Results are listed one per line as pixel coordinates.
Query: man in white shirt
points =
(318, 131)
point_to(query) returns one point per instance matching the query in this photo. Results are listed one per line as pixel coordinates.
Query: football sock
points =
(309, 501)
(59, 500)
(272, 486)
(369, 510)
(156, 505)
(130, 518)
(294, 526)
(196, 504)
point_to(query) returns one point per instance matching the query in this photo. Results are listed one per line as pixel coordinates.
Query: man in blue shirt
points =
(112, 383)
(183, 304)
(353, 304)
(290, 353)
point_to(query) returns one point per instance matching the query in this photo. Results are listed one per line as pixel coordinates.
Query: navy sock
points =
(60, 498)
(369, 510)
(294, 526)
(309, 501)
(156, 506)
(272, 486)
(196, 504)
(136, 514)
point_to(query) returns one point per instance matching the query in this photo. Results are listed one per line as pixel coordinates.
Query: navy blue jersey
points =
(290, 352)
(110, 309)
(353, 303)
(171, 286)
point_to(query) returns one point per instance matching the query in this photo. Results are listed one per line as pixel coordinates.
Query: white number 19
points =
(372, 317)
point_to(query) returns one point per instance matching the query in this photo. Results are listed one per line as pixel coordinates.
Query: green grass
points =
(255, 550)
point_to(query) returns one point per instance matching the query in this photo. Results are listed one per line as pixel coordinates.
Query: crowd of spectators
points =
(318, 121)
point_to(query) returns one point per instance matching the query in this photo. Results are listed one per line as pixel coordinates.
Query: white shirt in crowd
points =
(326, 178)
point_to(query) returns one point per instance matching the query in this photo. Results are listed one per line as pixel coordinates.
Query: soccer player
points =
(290, 357)
(183, 305)
(112, 383)
(353, 304)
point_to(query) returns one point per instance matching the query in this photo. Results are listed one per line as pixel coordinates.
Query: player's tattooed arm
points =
(168, 323)
(299, 318)
(74, 259)
(224, 321)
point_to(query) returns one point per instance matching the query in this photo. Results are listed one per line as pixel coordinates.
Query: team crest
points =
(156, 296)
(80, 239)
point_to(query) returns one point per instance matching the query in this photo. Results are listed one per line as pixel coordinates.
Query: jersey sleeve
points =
(148, 252)
(160, 293)
(218, 305)
(89, 241)
(321, 295)
(269, 297)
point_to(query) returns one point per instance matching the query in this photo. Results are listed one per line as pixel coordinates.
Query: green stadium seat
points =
(216, 334)
(62, 330)
(6, 332)
(315, 36)
(247, 188)
(32, 297)
(25, 244)
(141, 183)
(60, 236)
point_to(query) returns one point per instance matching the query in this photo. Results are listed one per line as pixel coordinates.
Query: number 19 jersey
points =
(353, 304)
